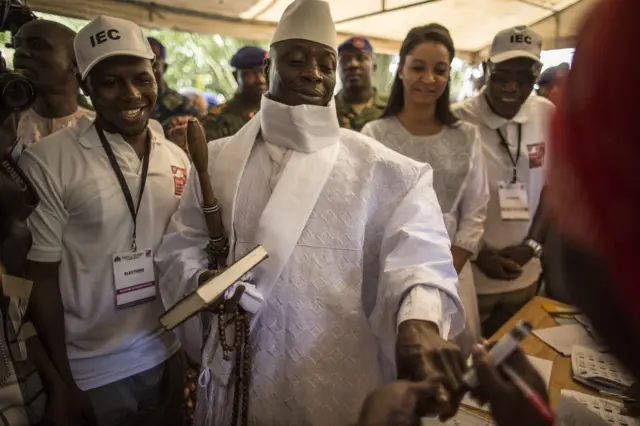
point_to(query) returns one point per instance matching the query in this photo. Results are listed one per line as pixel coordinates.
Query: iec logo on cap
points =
(519, 36)
(104, 36)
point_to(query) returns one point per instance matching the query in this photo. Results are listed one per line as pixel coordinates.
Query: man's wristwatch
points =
(535, 246)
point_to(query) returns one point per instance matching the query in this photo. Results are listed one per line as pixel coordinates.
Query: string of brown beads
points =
(241, 345)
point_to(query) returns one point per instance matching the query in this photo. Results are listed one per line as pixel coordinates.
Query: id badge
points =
(514, 205)
(135, 280)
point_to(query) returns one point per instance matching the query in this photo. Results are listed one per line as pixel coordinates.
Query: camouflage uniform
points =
(83, 102)
(226, 119)
(349, 119)
(172, 104)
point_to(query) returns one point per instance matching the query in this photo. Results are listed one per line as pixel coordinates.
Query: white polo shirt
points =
(82, 221)
(534, 116)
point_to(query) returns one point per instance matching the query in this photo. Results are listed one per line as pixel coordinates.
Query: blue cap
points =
(360, 43)
(248, 57)
(158, 48)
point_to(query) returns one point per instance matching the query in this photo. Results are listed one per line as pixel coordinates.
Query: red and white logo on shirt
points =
(179, 179)
(536, 155)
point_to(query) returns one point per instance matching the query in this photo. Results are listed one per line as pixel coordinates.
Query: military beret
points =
(158, 48)
(248, 57)
(360, 43)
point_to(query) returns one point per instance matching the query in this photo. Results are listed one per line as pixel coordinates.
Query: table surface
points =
(561, 375)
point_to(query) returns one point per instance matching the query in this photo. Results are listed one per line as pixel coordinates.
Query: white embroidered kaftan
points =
(325, 335)
(460, 183)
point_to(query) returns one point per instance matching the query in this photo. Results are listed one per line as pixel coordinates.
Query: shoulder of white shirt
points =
(70, 136)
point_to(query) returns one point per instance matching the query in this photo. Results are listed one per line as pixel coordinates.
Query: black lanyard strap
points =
(514, 161)
(123, 183)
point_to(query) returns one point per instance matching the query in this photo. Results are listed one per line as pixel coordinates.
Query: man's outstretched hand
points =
(421, 354)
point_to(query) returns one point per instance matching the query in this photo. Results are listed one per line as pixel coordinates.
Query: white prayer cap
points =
(307, 20)
(105, 37)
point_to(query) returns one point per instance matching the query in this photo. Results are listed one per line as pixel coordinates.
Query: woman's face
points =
(425, 73)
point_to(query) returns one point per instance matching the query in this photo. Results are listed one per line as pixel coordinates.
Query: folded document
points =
(599, 371)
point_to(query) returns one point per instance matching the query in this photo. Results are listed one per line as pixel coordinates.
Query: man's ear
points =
(166, 67)
(235, 75)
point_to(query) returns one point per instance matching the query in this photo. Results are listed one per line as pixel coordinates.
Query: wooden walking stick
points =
(218, 247)
(218, 250)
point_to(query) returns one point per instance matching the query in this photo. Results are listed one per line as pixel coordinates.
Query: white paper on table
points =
(563, 337)
(463, 418)
(604, 408)
(542, 366)
(570, 412)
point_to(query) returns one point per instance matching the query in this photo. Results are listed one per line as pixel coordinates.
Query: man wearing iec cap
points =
(513, 125)
(359, 286)
(108, 188)
(226, 119)
(358, 102)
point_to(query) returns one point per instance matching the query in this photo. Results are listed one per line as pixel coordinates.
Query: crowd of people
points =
(401, 230)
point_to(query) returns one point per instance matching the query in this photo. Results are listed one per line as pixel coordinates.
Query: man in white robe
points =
(359, 286)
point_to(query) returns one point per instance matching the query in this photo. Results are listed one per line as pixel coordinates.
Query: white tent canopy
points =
(472, 23)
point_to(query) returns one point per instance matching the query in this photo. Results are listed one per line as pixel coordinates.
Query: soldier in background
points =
(551, 81)
(358, 102)
(226, 119)
(171, 104)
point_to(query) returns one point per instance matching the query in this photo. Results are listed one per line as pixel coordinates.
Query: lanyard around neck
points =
(123, 183)
(505, 145)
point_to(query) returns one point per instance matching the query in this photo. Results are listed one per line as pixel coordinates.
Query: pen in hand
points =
(536, 400)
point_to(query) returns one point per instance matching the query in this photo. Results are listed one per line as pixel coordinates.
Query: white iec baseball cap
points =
(106, 36)
(516, 42)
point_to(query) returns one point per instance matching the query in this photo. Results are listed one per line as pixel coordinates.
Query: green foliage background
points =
(202, 61)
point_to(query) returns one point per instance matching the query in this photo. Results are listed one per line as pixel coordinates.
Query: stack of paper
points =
(562, 338)
(542, 366)
(463, 418)
(599, 371)
(607, 410)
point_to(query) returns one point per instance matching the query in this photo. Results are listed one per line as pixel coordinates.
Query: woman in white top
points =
(418, 123)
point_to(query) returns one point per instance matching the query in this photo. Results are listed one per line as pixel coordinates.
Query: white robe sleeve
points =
(473, 204)
(428, 304)
(416, 253)
(181, 258)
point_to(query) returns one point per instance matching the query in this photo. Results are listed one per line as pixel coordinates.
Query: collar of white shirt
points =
(493, 121)
(89, 137)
